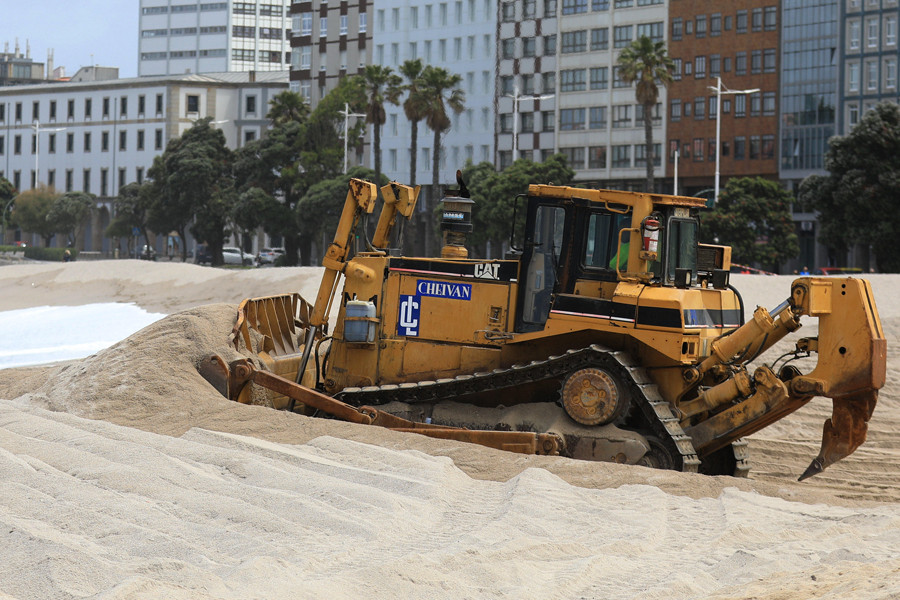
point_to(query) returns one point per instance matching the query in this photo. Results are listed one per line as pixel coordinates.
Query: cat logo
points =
(487, 271)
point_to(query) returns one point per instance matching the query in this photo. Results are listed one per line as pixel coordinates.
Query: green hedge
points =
(48, 253)
(12, 249)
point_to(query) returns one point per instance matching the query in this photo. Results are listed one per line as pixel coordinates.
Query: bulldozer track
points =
(649, 412)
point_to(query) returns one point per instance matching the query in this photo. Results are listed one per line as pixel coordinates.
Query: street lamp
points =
(347, 114)
(516, 98)
(719, 91)
(36, 126)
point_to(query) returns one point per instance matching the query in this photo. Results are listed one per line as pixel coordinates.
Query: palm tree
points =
(382, 85)
(439, 90)
(286, 107)
(413, 107)
(647, 63)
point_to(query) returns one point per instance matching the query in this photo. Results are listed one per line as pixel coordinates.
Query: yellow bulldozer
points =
(608, 333)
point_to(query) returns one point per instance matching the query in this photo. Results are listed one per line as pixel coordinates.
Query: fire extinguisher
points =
(650, 233)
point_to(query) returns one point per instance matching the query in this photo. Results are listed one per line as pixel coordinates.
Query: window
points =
(70, 112)
(363, 22)
(853, 77)
(654, 31)
(755, 147)
(715, 25)
(599, 4)
(70, 142)
(158, 140)
(596, 158)
(193, 103)
(740, 105)
(618, 82)
(323, 27)
(770, 18)
(872, 32)
(621, 156)
(52, 111)
(756, 19)
(698, 149)
(600, 39)
(87, 141)
(508, 48)
(890, 31)
(159, 104)
(599, 78)
(700, 27)
(574, 41)
(890, 73)
(853, 34)
(548, 120)
(17, 144)
(699, 107)
(250, 104)
(768, 147)
(529, 47)
(640, 151)
(548, 83)
(597, 116)
(104, 141)
(741, 21)
(740, 63)
(769, 60)
(574, 156)
(69, 180)
(699, 67)
(677, 29)
(768, 100)
(86, 180)
(756, 61)
(140, 139)
(123, 140)
(871, 75)
(621, 116)
(123, 106)
(572, 80)
(676, 70)
(35, 111)
(571, 119)
(571, 7)
(622, 35)
(549, 45)
(715, 65)
(675, 109)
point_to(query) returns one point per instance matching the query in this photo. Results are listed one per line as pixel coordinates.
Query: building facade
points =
(99, 136)
(559, 89)
(726, 79)
(183, 36)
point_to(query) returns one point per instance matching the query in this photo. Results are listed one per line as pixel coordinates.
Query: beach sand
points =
(127, 476)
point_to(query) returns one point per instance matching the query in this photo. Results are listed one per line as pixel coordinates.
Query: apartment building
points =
(459, 36)
(559, 89)
(183, 36)
(97, 136)
(726, 75)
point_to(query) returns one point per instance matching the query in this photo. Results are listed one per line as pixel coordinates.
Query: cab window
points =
(601, 249)
(681, 246)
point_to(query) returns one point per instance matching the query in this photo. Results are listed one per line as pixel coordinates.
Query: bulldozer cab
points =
(568, 240)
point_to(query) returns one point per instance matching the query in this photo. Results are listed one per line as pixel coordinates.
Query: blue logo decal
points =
(444, 289)
(408, 319)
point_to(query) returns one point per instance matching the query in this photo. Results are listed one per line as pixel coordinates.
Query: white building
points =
(98, 136)
(459, 36)
(566, 51)
(184, 36)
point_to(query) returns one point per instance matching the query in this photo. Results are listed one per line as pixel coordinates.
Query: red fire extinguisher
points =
(650, 233)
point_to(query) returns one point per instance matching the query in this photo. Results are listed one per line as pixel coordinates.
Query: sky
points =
(80, 32)
(44, 334)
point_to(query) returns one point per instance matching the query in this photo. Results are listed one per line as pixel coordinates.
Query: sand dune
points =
(126, 476)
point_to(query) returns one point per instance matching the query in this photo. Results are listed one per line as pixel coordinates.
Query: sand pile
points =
(127, 476)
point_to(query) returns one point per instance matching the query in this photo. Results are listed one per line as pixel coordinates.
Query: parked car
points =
(145, 253)
(234, 256)
(267, 256)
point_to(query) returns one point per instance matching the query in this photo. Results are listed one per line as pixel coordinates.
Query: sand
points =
(126, 476)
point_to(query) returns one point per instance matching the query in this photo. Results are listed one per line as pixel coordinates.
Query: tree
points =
(382, 85)
(864, 174)
(495, 195)
(294, 155)
(753, 216)
(69, 211)
(132, 205)
(32, 209)
(287, 107)
(193, 183)
(440, 92)
(646, 62)
(413, 108)
(7, 193)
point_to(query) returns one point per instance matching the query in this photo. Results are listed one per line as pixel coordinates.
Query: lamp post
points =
(516, 98)
(719, 91)
(36, 126)
(347, 114)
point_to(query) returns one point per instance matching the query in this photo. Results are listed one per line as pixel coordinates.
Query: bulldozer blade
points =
(845, 431)
(214, 370)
